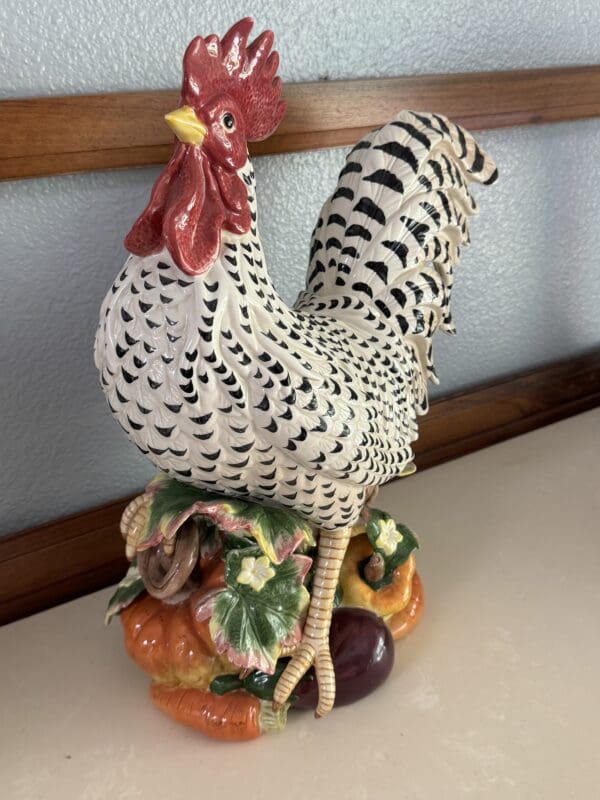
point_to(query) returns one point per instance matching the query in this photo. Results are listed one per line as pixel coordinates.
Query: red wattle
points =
(191, 202)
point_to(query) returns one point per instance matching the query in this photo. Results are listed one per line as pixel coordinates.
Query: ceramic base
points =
(216, 598)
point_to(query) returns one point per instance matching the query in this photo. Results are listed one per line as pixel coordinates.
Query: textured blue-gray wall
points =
(527, 291)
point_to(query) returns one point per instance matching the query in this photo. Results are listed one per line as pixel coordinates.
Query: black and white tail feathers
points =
(391, 232)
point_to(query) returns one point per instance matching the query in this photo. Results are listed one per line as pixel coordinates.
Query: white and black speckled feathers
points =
(222, 385)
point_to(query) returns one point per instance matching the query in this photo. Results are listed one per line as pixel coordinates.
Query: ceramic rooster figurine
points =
(226, 388)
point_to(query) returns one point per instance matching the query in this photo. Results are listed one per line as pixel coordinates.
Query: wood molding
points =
(52, 135)
(65, 559)
(467, 421)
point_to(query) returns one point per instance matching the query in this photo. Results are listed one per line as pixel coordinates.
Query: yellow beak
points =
(186, 126)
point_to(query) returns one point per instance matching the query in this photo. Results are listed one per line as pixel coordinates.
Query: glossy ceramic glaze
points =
(362, 649)
(229, 624)
(229, 96)
(273, 425)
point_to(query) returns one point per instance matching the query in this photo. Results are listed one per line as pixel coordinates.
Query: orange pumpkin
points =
(356, 592)
(167, 642)
(402, 623)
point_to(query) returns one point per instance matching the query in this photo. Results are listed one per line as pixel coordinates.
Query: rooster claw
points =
(309, 652)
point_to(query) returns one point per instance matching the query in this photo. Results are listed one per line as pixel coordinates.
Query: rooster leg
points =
(314, 647)
(371, 493)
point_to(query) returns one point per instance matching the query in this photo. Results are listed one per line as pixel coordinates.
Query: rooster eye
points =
(228, 122)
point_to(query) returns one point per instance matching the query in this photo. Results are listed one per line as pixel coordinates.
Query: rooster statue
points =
(224, 386)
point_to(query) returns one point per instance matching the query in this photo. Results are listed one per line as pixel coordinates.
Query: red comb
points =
(245, 72)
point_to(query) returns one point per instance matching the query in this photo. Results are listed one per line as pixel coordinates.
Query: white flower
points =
(255, 572)
(389, 538)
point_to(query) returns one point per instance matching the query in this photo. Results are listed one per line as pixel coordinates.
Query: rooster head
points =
(230, 96)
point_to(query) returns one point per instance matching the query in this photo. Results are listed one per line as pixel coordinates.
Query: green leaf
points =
(171, 505)
(211, 541)
(225, 683)
(250, 627)
(392, 541)
(277, 532)
(128, 589)
(233, 542)
(260, 684)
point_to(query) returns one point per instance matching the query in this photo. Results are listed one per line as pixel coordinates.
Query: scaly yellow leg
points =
(314, 647)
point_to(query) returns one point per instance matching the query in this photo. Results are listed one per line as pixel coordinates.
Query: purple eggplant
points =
(362, 650)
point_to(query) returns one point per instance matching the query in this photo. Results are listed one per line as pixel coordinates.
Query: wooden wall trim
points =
(468, 421)
(51, 135)
(67, 558)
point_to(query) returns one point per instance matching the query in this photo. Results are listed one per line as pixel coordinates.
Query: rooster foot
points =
(314, 647)
(308, 653)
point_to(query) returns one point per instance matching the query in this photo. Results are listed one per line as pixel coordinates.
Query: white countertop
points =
(495, 695)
